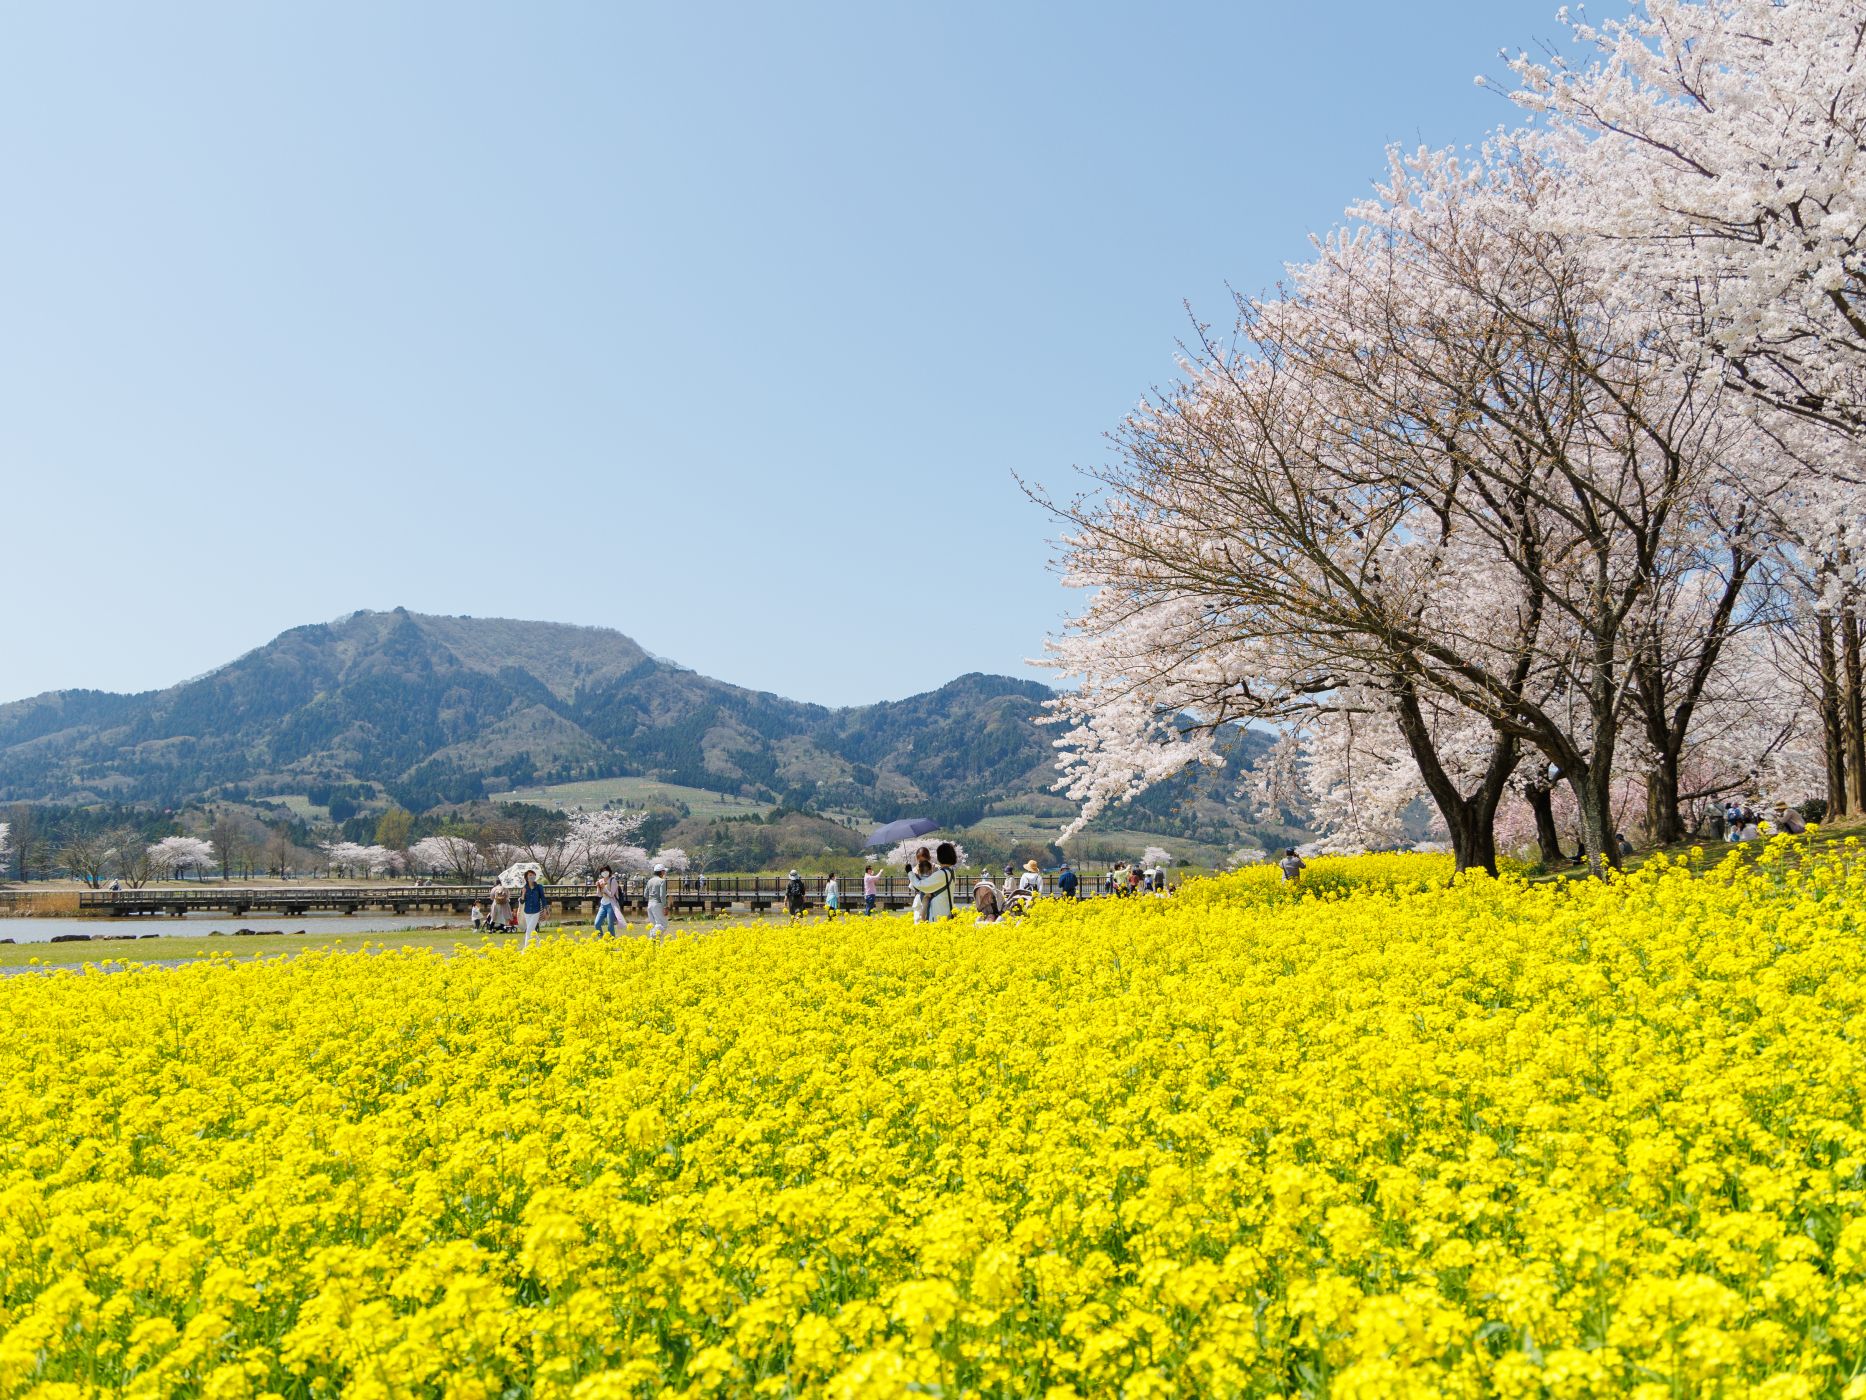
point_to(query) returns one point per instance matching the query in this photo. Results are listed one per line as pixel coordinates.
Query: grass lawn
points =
(300, 806)
(636, 792)
(173, 948)
(187, 948)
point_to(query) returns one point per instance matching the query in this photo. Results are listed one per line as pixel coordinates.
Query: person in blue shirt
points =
(532, 904)
(1066, 882)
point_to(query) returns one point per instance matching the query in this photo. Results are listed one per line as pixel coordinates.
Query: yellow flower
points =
(1386, 1131)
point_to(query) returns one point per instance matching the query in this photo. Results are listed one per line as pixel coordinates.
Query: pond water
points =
(43, 930)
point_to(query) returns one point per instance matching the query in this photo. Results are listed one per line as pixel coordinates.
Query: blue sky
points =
(725, 326)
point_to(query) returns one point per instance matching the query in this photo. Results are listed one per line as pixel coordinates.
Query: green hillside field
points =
(594, 793)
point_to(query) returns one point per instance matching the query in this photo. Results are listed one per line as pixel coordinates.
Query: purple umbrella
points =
(904, 830)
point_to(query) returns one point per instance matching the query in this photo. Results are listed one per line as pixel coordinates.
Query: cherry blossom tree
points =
(448, 853)
(353, 859)
(1717, 154)
(1538, 481)
(584, 844)
(1445, 470)
(674, 858)
(176, 855)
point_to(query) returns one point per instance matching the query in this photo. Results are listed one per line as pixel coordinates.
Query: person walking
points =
(606, 901)
(657, 904)
(532, 902)
(1066, 882)
(656, 892)
(794, 900)
(832, 896)
(869, 888)
(479, 916)
(1031, 881)
(933, 883)
(1292, 866)
(499, 918)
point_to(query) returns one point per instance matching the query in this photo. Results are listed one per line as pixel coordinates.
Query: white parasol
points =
(513, 876)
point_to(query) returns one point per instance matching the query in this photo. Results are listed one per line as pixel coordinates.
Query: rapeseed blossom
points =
(1377, 1134)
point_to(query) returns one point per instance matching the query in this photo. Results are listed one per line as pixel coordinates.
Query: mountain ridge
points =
(417, 703)
(429, 710)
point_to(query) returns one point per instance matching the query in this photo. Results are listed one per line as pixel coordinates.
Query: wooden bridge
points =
(687, 894)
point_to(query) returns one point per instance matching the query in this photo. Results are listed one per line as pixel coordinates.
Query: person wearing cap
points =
(1066, 882)
(1031, 882)
(1292, 866)
(656, 892)
(794, 898)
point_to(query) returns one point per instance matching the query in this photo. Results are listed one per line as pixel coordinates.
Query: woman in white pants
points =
(657, 902)
(531, 904)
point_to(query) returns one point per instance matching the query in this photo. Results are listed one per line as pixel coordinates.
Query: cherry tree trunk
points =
(1833, 726)
(1593, 795)
(1853, 711)
(1664, 825)
(1475, 847)
(1470, 819)
(1541, 800)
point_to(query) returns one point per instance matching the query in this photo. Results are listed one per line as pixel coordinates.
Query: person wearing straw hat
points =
(656, 892)
(1031, 882)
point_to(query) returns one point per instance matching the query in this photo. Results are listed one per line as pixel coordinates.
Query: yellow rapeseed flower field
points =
(1374, 1137)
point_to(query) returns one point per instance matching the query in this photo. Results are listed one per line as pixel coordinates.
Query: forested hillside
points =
(424, 710)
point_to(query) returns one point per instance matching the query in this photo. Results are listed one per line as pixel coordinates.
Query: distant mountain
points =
(431, 710)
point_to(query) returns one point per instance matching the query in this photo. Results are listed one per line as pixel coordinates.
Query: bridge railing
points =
(684, 890)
